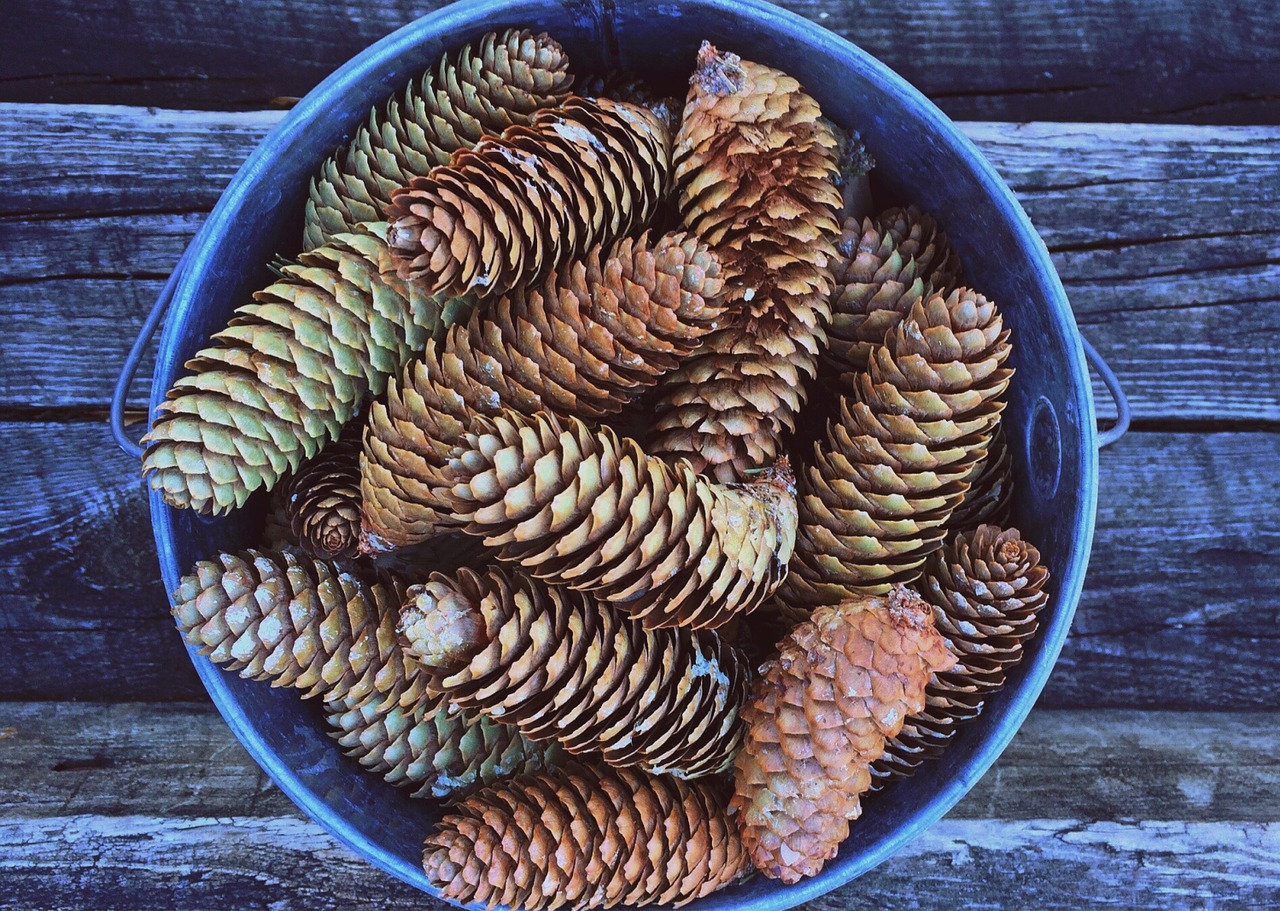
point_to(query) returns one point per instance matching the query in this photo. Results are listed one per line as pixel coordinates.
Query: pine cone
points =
(435, 750)
(875, 500)
(288, 372)
(276, 531)
(326, 628)
(755, 177)
(585, 837)
(505, 213)
(587, 342)
(885, 265)
(819, 716)
(323, 501)
(561, 665)
(477, 92)
(986, 588)
(989, 499)
(589, 510)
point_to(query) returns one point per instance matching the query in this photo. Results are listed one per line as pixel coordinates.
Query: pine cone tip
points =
(718, 72)
(441, 625)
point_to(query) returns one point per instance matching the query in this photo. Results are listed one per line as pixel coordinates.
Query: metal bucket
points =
(921, 157)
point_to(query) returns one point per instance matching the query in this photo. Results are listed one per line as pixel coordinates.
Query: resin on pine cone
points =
(322, 501)
(875, 499)
(502, 80)
(561, 665)
(986, 589)
(819, 716)
(325, 628)
(587, 509)
(756, 179)
(432, 748)
(586, 836)
(884, 266)
(287, 373)
(586, 342)
(505, 213)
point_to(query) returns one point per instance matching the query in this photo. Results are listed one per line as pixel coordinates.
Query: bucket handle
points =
(124, 382)
(1112, 382)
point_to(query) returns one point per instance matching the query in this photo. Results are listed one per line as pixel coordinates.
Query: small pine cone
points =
(326, 628)
(884, 266)
(323, 501)
(586, 343)
(875, 499)
(287, 373)
(587, 509)
(755, 170)
(819, 716)
(505, 213)
(989, 499)
(586, 836)
(432, 748)
(561, 665)
(986, 588)
(479, 91)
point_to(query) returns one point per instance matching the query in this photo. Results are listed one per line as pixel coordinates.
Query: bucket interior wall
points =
(921, 158)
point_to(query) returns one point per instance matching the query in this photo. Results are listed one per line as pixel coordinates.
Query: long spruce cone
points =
(586, 836)
(435, 750)
(322, 501)
(325, 628)
(819, 716)
(989, 499)
(586, 342)
(755, 175)
(481, 90)
(875, 500)
(986, 589)
(287, 373)
(563, 666)
(587, 509)
(885, 265)
(505, 213)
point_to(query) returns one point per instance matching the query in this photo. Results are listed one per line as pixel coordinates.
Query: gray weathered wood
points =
(1173, 269)
(1179, 607)
(142, 861)
(180, 759)
(1188, 60)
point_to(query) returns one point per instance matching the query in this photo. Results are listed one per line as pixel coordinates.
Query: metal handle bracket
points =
(1109, 379)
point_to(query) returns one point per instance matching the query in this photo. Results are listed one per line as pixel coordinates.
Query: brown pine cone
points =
(587, 342)
(561, 665)
(883, 267)
(288, 372)
(587, 509)
(503, 214)
(481, 90)
(432, 748)
(755, 178)
(322, 501)
(875, 499)
(819, 716)
(986, 588)
(989, 499)
(326, 628)
(586, 836)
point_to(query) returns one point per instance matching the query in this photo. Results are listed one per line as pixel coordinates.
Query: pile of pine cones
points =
(504, 284)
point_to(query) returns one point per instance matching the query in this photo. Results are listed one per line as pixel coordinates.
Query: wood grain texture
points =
(1186, 60)
(1179, 609)
(1172, 267)
(180, 760)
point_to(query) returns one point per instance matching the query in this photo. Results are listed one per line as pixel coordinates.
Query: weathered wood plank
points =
(1172, 267)
(1179, 607)
(181, 760)
(1189, 60)
(100, 864)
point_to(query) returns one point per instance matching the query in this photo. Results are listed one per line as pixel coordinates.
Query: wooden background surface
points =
(1143, 139)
